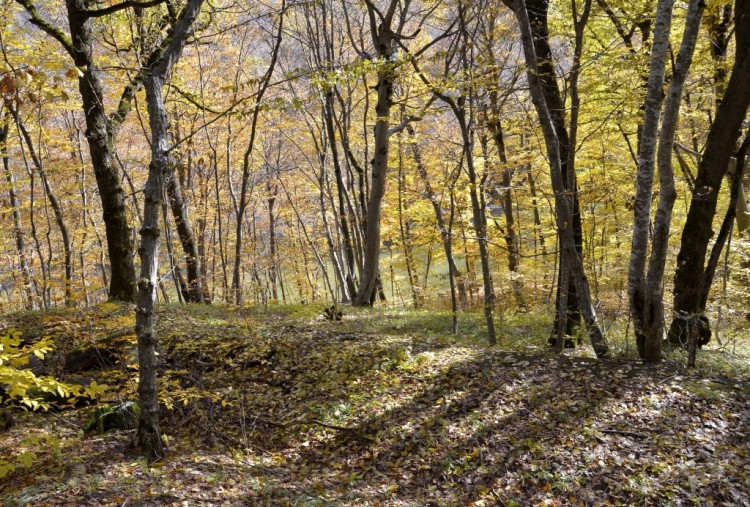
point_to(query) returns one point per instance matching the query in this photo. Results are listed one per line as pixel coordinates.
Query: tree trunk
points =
(384, 39)
(405, 231)
(653, 311)
(720, 145)
(246, 165)
(16, 214)
(727, 224)
(56, 207)
(371, 259)
(645, 178)
(180, 212)
(563, 206)
(445, 234)
(100, 138)
(341, 192)
(149, 436)
(512, 241)
(538, 14)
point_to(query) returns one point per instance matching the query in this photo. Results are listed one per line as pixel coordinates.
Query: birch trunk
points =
(653, 310)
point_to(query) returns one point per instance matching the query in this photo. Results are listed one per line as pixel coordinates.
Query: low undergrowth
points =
(279, 406)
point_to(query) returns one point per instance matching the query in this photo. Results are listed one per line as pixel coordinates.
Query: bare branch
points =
(98, 13)
(47, 27)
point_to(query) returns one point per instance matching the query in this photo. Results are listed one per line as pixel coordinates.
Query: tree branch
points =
(47, 27)
(401, 126)
(98, 13)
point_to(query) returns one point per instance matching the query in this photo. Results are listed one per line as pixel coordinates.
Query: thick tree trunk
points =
(384, 40)
(371, 261)
(101, 147)
(538, 14)
(720, 145)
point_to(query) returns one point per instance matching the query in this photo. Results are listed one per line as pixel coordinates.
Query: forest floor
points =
(282, 407)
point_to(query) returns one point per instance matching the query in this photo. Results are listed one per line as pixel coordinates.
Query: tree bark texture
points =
(645, 178)
(720, 145)
(100, 138)
(384, 40)
(149, 435)
(563, 206)
(653, 310)
(538, 16)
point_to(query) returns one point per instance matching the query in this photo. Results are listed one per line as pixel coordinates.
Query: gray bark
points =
(646, 161)
(653, 310)
(149, 436)
(23, 263)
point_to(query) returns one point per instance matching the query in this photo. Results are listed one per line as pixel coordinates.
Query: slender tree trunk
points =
(246, 165)
(44, 291)
(405, 231)
(149, 435)
(56, 207)
(444, 229)
(511, 237)
(174, 268)
(653, 311)
(480, 226)
(645, 179)
(337, 267)
(727, 224)
(341, 192)
(563, 206)
(16, 215)
(273, 269)
(180, 212)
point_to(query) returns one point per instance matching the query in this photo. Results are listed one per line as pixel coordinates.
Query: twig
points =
(667, 379)
(71, 424)
(315, 422)
(625, 433)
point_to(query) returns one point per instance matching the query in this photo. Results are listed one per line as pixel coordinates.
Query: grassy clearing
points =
(278, 406)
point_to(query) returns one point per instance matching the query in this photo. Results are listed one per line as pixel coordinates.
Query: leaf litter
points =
(263, 408)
